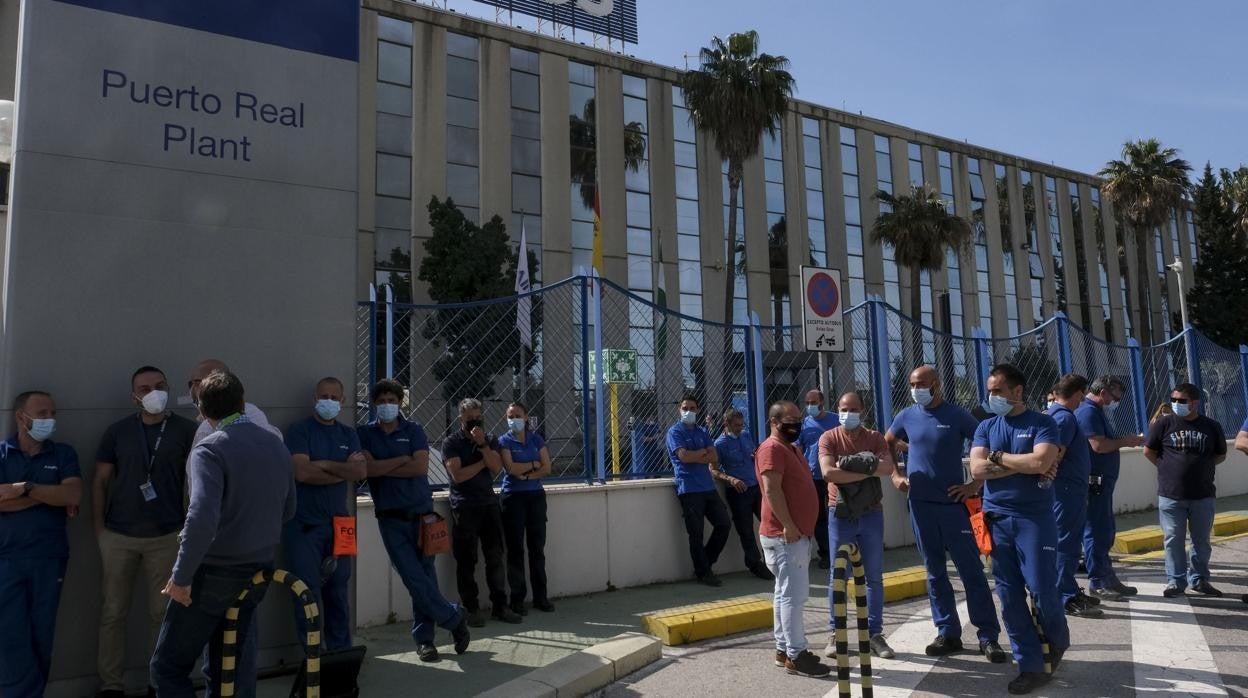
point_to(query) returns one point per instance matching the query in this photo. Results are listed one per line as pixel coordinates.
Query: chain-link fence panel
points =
(1036, 354)
(1162, 367)
(911, 344)
(1221, 380)
(1093, 358)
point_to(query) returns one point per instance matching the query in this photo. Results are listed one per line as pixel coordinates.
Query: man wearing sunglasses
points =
(1095, 417)
(1186, 447)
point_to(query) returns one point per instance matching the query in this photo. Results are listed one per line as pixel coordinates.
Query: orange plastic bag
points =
(344, 535)
(979, 526)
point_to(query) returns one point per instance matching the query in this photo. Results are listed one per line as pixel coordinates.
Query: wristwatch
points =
(995, 457)
(27, 487)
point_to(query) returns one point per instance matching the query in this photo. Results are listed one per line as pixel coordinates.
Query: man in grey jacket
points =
(242, 491)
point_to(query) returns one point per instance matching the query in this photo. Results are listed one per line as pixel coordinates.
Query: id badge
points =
(149, 492)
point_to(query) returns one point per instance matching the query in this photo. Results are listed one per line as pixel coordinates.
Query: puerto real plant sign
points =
(612, 18)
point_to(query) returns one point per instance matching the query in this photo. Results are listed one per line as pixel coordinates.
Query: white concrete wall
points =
(630, 534)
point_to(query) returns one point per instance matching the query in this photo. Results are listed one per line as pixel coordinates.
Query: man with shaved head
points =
(817, 421)
(934, 433)
(253, 413)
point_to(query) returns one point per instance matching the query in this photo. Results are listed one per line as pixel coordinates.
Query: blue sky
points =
(1060, 81)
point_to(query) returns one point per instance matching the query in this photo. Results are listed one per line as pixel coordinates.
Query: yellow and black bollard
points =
(1045, 648)
(848, 556)
(311, 613)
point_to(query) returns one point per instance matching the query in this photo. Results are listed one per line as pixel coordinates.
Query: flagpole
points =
(524, 366)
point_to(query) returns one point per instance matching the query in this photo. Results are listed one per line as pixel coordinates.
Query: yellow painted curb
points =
(1229, 523)
(1138, 540)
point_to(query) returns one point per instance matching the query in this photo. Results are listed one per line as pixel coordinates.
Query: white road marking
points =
(899, 677)
(1168, 646)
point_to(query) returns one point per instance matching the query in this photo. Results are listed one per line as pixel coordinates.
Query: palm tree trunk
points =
(1142, 286)
(730, 242)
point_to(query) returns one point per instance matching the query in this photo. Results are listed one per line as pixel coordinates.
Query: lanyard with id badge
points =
(147, 489)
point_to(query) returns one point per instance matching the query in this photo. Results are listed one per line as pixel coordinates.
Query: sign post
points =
(823, 329)
(619, 368)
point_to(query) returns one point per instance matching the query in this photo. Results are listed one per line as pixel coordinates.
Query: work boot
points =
(943, 646)
(806, 664)
(506, 615)
(1123, 589)
(880, 648)
(461, 636)
(992, 650)
(1090, 600)
(1076, 607)
(426, 652)
(1028, 681)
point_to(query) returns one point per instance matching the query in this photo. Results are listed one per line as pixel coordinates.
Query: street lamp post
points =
(1177, 267)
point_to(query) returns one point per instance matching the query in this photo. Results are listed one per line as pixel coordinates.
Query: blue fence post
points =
(760, 407)
(751, 387)
(600, 436)
(1137, 385)
(586, 426)
(389, 331)
(982, 363)
(1193, 360)
(372, 346)
(1064, 364)
(1243, 371)
(877, 327)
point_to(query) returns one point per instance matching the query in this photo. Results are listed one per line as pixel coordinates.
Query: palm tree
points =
(1235, 189)
(1144, 186)
(737, 95)
(583, 137)
(919, 227)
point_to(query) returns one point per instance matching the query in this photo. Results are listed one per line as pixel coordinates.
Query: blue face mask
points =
(387, 412)
(41, 429)
(922, 396)
(850, 420)
(515, 424)
(999, 405)
(688, 418)
(328, 409)
(1180, 409)
(813, 410)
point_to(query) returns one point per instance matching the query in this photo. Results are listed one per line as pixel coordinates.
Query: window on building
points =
(1035, 266)
(979, 229)
(463, 135)
(1002, 183)
(853, 216)
(1055, 236)
(884, 182)
(812, 157)
(583, 157)
(1081, 260)
(688, 235)
(526, 152)
(392, 203)
(1098, 225)
(778, 239)
(953, 265)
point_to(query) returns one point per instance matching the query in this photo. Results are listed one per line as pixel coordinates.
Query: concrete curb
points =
(584, 672)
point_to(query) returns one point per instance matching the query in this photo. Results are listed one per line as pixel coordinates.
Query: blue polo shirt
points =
(808, 440)
(936, 438)
(39, 531)
(527, 451)
(1093, 422)
(690, 477)
(646, 455)
(319, 504)
(736, 455)
(1017, 494)
(411, 495)
(1077, 463)
(1244, 426)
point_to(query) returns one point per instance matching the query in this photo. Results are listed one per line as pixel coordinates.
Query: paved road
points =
(1148, 646)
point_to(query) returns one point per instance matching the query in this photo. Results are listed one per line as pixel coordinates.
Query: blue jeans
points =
(790, 563)
(1070, 508)
(1024, 559)
(429, 608)
(188, 629)
(306, 548)
(946, 526)
(867, 533)
(30, 591)
(1179, 518)
(1098, 536)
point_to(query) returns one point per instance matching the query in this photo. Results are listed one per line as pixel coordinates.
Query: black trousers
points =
(524, 524)
(821, 525)
(479, 525)
(745, 507)
(696, 507)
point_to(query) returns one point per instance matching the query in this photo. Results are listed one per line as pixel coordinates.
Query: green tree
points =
(919, 228)
(583, 138)
(1235, 192)
(1144, 186)
(1221, 272)
(464, 262)
(736, 95)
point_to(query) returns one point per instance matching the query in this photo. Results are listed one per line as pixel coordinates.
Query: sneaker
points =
(1171, 591)
(506, 615)
(711, 580)
(474, 618)
(1106, 594)
(943, 646)
(992, 650)
(762, 573)
(1075, 607)
(806, 664)
(1204, 587)
(830, 650)
(1089, 600)
(880, 648)
(782, 659)
(426, 652)
(461, 636)
(1123, 589)
(544, 605)
(824, 563)
(518, 608)
(1027, 681)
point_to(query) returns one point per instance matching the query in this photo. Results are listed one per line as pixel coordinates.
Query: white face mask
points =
(688, 418)
(155, 401)
(515, 424)
(1049, 405)
(41, 429)
(328, 409)
(922, 396)
(387, 412)
(813, 410)
(1180, 409)
(850, 420)
(999, 404)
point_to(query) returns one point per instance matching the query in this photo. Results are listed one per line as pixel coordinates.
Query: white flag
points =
(524, 305)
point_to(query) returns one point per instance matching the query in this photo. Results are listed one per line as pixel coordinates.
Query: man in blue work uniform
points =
(40, 481)
(1098, 533)
(1070, 489)
(327, 459)
(816, 421)
(934, 431)
(1015, 452)
(735, 448)
(646, 448)
(695, 464)
(397, 456)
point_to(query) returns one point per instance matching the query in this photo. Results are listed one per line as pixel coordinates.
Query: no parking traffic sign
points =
(821, 309)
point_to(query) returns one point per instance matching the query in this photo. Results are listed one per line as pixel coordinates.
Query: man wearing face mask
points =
(1094, 416)
(472, 460)
(1070, 502)
(935, 431)
(39, 480)
(327, 459)
(140, 478)
(735, 448)
(1015, 452)
(695, 465)
(253, 414)
(817, 420)
(853, 459)
(1186, 447)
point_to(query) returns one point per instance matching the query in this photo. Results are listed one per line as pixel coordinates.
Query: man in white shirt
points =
(254, 414)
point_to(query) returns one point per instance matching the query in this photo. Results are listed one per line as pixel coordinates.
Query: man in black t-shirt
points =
(1186, 447)
(472, 460)
(139, 507)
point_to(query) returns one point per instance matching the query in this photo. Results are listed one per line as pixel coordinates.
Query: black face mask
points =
(474, 424)
(790, 432)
